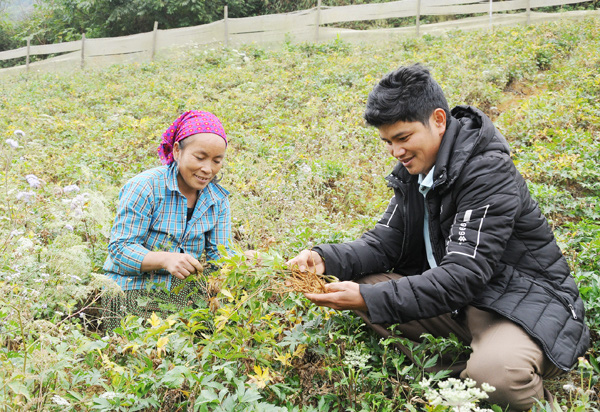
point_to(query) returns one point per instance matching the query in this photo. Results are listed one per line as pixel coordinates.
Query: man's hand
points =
(307, 260)
(340, 296)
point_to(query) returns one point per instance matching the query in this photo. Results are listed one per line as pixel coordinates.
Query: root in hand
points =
(303, 282)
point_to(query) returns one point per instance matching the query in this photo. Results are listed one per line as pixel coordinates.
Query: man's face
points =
(414, 144)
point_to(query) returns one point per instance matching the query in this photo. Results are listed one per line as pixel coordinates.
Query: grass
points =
(302, 169)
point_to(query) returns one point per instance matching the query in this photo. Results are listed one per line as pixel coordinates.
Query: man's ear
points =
(439, 120)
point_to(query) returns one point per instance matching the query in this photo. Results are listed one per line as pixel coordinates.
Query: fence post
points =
(418, 16)
(491, 12)
(154, 38)
(27, 59)
(225, 18)
(317, 21)
(82, 50)
(528, 12)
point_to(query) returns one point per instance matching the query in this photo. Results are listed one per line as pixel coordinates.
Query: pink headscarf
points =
(190, 123)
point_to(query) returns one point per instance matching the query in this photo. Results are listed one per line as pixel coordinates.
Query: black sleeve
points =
(376, 251)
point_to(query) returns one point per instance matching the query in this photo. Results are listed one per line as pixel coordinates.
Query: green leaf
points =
(175, 377)
(19, 389)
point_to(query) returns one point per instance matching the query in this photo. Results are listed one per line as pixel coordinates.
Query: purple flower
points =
(19, 133)
(71, 188)
(78, 203)
(27, 197)
(12, 143)
(33, 181)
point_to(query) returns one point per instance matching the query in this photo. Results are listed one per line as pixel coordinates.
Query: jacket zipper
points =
(557, 296)
(404, 216)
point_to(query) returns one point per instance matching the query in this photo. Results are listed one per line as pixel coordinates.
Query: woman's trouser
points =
(503, 354)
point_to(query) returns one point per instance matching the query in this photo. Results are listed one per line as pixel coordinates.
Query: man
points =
(475, 254)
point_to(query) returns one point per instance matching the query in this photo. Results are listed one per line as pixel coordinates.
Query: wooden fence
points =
(313, 25)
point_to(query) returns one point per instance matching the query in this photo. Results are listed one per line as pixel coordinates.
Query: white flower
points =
(487, 387)
(19, 133)
(305, 168)
(109, 395)
(16, 233)
(355, 359)
(24, 244)
(33, 181)
(77, 278)
(69, 227)
(458, 394)
(12, 143)
(27, 197)
(59, 400)
(71, 188)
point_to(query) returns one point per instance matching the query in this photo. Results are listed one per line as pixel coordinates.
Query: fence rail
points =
(312, 25)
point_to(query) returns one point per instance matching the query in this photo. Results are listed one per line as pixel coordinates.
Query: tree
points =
(65, 20)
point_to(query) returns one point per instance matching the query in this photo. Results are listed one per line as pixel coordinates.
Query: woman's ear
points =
(176, 151)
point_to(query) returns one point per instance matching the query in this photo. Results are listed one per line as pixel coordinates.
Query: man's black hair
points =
(408, 94)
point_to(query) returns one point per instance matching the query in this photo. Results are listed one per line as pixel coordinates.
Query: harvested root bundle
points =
(304, 282)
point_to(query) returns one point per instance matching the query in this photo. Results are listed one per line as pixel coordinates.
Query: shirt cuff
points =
(133, 257)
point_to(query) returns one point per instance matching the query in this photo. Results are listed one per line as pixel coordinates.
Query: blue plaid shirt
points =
(152, 216)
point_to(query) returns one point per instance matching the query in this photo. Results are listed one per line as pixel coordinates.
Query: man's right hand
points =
(307, 260)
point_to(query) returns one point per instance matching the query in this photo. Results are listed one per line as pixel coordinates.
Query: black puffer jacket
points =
(493, 247)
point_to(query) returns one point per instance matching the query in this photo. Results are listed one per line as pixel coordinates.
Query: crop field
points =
(302, 169)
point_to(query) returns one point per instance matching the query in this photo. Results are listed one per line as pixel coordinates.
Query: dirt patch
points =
(514, 94)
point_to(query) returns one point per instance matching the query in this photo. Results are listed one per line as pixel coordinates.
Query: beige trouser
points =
(503, 354)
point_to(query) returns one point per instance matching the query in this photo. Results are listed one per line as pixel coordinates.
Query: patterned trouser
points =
(143, 303)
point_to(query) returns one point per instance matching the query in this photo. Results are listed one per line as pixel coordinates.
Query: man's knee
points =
(517, 383)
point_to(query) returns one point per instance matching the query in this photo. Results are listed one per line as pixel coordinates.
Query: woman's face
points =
(199, 160)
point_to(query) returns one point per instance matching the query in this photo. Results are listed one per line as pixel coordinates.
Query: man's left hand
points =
(340, 296)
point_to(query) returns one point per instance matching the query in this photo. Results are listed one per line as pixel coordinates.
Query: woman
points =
(166, 218)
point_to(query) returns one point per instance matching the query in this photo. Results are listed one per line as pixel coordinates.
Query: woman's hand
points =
(339, 296)
(307, 260)
(253, 256)
(180, 265)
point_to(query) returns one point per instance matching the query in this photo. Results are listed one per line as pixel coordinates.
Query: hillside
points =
(302, 169)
